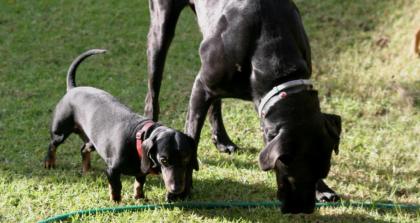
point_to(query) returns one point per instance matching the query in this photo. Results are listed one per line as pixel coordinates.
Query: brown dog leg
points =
(85, 151)
(85, 162)
(49, 161)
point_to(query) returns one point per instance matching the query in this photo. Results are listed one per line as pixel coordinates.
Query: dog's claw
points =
(226, 148)
(327, 197)
(231, 148)
(224, 144)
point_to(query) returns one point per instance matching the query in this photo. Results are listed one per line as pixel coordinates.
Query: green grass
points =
(373, 86)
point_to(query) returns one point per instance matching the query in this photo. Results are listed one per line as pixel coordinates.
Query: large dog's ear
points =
(333, 127)
(147, 160)
(272, 152)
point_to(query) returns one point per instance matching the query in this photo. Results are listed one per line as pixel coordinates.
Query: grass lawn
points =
(363, 67)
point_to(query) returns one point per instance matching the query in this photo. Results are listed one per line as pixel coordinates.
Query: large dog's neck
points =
(298, 109)
(281, 92)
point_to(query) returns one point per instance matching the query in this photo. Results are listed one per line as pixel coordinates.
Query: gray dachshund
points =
(129, 143)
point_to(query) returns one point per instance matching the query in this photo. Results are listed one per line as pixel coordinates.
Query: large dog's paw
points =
(226, 148)
(324, 193)
(224, 145)
(327, 196)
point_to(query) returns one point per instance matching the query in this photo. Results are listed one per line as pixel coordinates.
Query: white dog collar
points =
(279, 89)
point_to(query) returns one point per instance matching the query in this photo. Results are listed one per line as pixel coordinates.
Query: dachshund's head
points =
(172, 153)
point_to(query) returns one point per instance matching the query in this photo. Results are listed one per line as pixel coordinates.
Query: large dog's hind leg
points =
(164, 16)
(219, 137)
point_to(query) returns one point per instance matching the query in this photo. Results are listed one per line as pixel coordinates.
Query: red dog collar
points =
(139, 136)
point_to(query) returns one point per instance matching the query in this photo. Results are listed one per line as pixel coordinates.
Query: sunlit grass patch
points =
(362, 67)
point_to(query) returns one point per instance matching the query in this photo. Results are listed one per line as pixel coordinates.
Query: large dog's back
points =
(263, 39)
(282, 47)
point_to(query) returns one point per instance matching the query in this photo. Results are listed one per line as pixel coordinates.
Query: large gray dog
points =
(255, 50)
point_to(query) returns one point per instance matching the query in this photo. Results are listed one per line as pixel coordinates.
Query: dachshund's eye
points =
(164, 161)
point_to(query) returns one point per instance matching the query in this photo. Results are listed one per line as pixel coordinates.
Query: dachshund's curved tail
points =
(71, 73)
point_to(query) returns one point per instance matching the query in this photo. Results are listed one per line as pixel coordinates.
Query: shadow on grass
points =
(410, 94)
(384, 186)
(230, 160)
(227, 190)
(268, 214)
(219, 190)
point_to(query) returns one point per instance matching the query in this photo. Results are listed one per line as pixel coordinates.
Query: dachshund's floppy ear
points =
(147, 159)
(194, 162)
(194, 159)
(272, 152)
(333, 127)
(191, 145)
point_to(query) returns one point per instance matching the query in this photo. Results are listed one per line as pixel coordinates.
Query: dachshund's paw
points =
(49, 163)
(170, 197)
(141, 197)
(115, 198)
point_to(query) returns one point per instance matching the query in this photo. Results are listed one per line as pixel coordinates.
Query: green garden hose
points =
(225, 205)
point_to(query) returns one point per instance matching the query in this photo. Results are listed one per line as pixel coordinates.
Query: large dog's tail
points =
(71, 73)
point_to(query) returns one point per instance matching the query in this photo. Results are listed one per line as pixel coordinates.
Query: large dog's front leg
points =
(164, 15)
(199, 105)
(220, 137)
